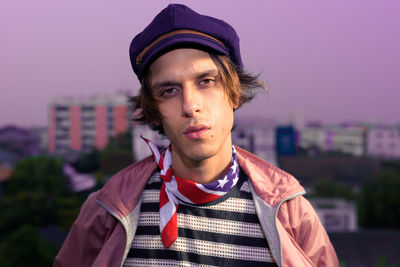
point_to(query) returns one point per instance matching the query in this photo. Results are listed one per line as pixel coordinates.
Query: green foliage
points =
(112, 162)
(391, 164)
(382, 261)
(379, 202)
(25, 247)
(31, 192)
(117, 155)
(327, 187)
(38, 174)
(66, 209)
(88, 163)
(36, 195)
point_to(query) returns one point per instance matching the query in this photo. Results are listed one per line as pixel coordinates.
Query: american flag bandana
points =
(175, 188)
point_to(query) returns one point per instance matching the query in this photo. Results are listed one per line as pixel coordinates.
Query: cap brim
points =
(180, 41)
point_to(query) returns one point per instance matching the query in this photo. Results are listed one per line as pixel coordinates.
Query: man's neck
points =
(203, 171)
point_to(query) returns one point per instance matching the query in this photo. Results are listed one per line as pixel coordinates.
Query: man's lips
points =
(196, 131)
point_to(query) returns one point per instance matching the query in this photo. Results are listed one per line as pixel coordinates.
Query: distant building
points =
(41, 134)
(81, 125)
(8, 159)
(19, 141)
(285, 141)
(140, 148)
(383, 141)
(345, 138)
(312, 137)
(336, 215)
(257, 137)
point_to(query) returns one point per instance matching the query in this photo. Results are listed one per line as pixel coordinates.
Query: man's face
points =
(197, 115)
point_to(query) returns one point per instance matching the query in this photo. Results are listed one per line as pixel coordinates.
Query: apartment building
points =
(344, 138)
(383, 141)
(77, 124)
(258, 137)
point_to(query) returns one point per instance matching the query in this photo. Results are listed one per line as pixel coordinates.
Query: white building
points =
(140, 148)
(384, 141)
(313, 137)
(335, 214)
(257, 137)
(349, 139)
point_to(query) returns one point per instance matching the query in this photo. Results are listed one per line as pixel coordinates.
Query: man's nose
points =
(191, 101)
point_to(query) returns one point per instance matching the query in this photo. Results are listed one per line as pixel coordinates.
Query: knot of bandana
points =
(175, 189)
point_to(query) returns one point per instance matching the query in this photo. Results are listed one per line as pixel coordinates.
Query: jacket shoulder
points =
(271, 183)
(122, 191)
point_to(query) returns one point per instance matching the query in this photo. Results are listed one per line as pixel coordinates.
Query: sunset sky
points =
(331, 61)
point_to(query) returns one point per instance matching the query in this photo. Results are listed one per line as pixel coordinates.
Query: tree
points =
(40, 173)
(379, 202)
(391, 164)
(30, 194)
(88, 163)
(37, 195)
(327, 187)
(25, 247)
(114, 157)
(117, 155)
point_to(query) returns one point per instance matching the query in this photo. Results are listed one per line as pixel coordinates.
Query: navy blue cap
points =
(179, 26)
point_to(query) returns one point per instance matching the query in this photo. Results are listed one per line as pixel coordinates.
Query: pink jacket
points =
(104, 230)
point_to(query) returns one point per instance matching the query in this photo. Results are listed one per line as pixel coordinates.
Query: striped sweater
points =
(224, 232)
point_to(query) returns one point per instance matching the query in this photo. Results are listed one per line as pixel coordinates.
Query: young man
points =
(202, 201)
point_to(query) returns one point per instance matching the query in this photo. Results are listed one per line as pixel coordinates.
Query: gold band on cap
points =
(141, 55)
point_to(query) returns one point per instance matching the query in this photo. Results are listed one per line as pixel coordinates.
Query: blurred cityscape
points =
(351, 173)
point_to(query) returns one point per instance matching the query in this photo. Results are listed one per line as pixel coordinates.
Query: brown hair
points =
(238, 84)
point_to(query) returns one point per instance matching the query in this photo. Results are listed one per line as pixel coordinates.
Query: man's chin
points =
(195, 153)
(199, 155)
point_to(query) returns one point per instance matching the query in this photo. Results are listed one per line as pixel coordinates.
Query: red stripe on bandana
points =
(190, 190)
(170, 232)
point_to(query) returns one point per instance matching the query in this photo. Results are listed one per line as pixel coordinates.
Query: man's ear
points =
(235, 106)
(157, 122)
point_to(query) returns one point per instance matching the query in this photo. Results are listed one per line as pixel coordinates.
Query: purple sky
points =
(333, 61)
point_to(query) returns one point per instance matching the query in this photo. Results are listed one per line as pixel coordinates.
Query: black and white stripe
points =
(224, 232)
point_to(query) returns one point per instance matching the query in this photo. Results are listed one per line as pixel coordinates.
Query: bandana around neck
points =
(175, 188)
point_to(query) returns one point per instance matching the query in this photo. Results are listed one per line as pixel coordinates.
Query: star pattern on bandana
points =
(234, 167)
(223, 182)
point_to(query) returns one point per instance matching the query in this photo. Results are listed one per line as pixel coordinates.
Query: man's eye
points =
(169, 92)
(206, 81)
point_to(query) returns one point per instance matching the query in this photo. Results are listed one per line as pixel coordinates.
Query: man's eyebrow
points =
(212, 72)
(158, 85)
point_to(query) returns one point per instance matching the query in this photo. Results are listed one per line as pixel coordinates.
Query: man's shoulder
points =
(124, 188)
